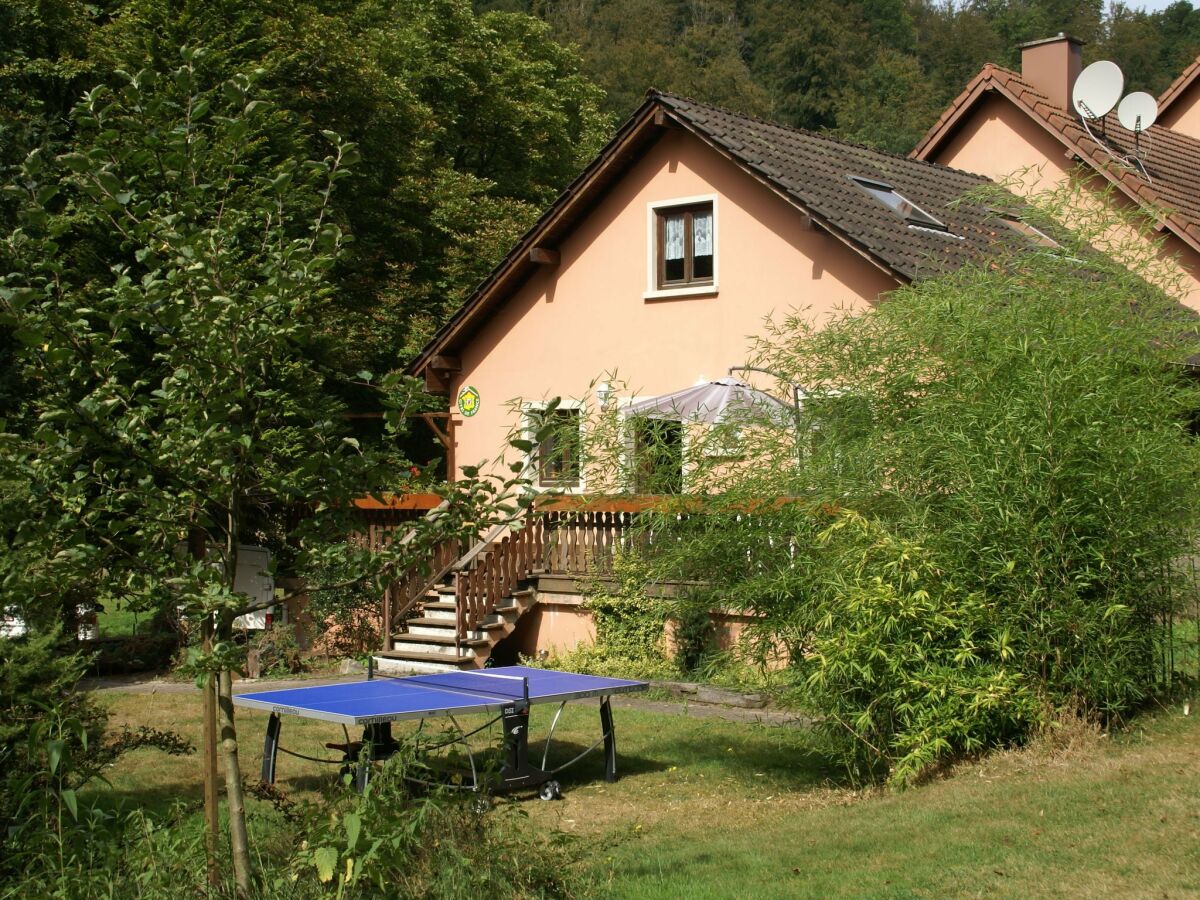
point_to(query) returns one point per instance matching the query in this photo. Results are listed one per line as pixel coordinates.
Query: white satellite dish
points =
(1097, 89)
(1138, 111)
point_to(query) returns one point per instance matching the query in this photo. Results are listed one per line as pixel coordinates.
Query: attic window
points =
(913, 215)
(1021, 227)
(685, 245)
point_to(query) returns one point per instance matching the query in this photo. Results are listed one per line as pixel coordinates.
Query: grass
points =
(117, 620)
(708, 808)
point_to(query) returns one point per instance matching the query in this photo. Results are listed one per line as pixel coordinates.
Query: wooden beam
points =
(543, 256)
(660, 117)
(398, 501)
(445, 363)
(430, 419)
(436, 382)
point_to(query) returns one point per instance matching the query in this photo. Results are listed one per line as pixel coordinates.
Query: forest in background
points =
(470, 118)
(874, 71)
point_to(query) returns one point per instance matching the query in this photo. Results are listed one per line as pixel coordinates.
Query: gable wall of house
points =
(572, 323)
(1183, 115)
(1000, 141)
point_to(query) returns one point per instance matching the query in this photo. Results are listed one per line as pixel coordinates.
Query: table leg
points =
(270, 749)
(610, 740)
(366, 758)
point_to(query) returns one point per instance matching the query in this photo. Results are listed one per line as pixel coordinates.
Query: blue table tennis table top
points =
(390, 699)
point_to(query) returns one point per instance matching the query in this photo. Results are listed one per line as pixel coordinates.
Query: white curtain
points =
(702, 233)
(673, 237)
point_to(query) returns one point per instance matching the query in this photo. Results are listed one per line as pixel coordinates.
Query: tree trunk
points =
(238, 842)
(212, 819)
(212, 816)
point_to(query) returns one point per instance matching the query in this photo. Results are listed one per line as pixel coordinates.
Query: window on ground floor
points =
(558, 454)
(657, 455)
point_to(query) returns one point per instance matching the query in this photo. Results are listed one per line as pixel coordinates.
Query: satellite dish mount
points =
(1096, 92)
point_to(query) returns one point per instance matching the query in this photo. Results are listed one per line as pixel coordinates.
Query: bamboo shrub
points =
(980, 515)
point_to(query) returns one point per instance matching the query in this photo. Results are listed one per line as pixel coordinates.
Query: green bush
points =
(38, 675)
(53, 744)
(439, 842)
(630, 628)
(389, 841)
(278, 652)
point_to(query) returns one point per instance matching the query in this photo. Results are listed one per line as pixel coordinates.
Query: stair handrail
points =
(391, 615)
(497, 531)
(500, 570)
(467, 561)
(436, 574)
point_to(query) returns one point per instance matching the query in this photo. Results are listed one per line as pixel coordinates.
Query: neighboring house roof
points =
(1172, 161)
(809, 171)
(1179, 86)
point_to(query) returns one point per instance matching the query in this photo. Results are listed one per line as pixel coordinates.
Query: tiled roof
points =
(809, 170)
(1171, 160)
(1179, 85)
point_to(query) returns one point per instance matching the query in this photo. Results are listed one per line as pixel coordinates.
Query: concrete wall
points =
(573, 322)
(1183, 115)
(558, 623)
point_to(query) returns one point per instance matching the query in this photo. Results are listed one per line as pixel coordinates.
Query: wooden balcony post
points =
(387, 615)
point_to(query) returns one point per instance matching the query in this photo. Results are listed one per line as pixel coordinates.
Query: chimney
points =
(1051, 65)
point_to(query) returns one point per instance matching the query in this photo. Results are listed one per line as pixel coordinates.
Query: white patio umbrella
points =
(714, 402)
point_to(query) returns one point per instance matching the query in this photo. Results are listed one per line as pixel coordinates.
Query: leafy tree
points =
(890, 106)
(467, 126)
(804, 60)
(179, 410)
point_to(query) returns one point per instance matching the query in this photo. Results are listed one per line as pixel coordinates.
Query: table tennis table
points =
(508, 692)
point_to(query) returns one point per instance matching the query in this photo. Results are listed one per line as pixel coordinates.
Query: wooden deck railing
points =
(581, 542)
(562, 536)
(490, 577)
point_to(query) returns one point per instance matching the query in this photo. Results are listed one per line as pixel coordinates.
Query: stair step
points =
(440, 627)
(424, 661)
(401, 644)
(439, 640)
(448, 605)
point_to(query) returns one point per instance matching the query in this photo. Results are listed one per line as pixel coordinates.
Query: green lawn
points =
(707, 808)
(116, 620)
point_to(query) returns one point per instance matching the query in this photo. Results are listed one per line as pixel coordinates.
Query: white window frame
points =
(529, 431)
(653, 291)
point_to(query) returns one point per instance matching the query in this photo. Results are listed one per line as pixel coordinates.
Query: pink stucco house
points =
(691, 227)
(1020, 128)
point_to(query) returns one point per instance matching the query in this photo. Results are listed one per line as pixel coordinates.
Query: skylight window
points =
(909, 212)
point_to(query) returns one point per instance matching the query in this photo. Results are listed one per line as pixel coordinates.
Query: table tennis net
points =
(510, 687)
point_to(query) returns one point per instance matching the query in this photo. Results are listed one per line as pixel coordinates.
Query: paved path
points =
(137, 684)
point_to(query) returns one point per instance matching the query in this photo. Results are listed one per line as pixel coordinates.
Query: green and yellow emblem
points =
(468, 401)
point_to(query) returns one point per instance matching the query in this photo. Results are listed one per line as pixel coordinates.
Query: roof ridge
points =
(656, 93)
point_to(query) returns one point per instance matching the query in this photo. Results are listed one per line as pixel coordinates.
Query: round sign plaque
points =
(468, 401)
